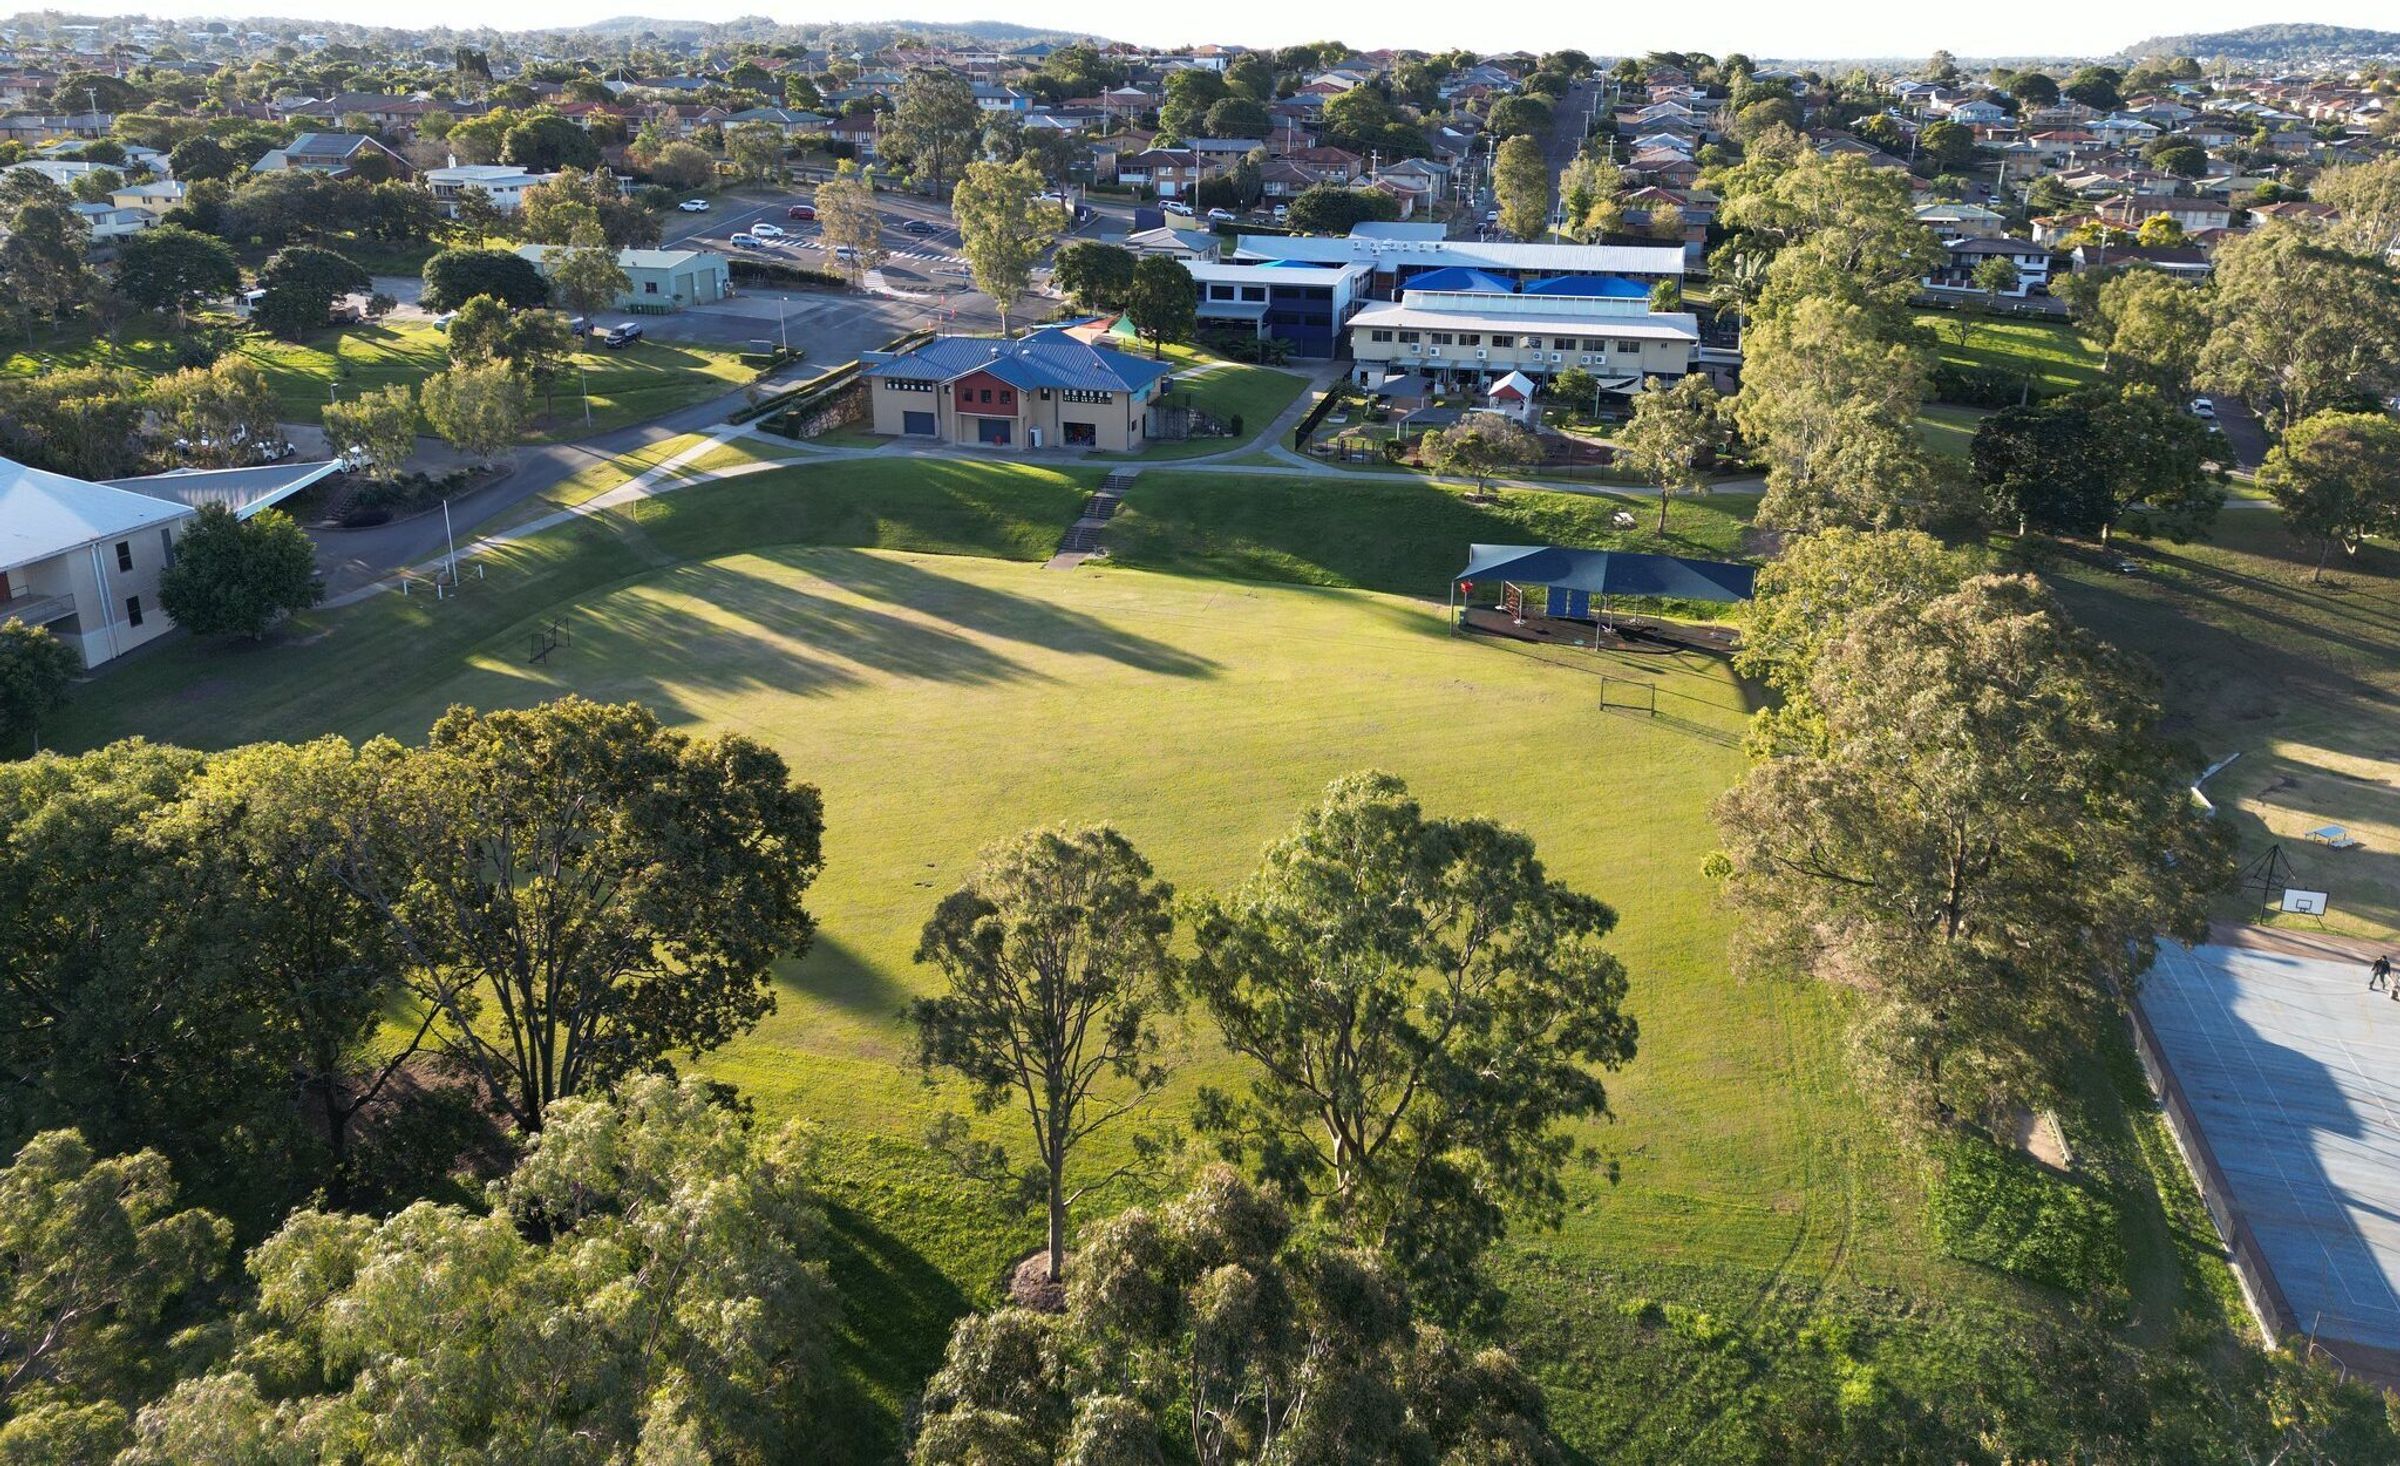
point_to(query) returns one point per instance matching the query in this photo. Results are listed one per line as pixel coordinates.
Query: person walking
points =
(2379, 977)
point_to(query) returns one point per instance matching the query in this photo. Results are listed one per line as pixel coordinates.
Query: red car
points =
(801, 211)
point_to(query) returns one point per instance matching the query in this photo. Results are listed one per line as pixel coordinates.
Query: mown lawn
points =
(884, 626)
(2053, 353)
(1399, 533)
(636, 384)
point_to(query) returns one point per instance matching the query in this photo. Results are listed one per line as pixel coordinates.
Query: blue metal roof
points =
(1610, 572)
(1462, 277)
(1044, 358)
(1615, 286)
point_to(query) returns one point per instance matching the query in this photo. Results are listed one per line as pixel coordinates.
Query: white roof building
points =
(83, 558)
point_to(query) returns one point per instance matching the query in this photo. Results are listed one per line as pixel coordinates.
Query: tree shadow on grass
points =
(832, 972)
(896, 1309)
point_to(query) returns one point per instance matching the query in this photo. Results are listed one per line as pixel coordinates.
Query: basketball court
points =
(2289, 1069)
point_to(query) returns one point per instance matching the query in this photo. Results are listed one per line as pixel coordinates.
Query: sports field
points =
(887, 627)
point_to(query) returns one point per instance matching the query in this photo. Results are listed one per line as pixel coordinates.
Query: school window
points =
(1562, 343)
(1439, 338)
(1408, 338)
(1629, 346)
(649, 287)
(1590, 345)
(124, 555)
(1254, 293)
(133, 610)
(1379, 335)
(1471, 338)
(1220, 292)
(1504, 342)
(166, 547)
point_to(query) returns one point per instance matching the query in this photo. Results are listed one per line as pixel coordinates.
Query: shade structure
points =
(1610, 572)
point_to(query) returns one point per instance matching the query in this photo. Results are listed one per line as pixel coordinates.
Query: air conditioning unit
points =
(1433, 351)
(1554, 356)
(1583, 361)
(1480, 354)
(1414, 348)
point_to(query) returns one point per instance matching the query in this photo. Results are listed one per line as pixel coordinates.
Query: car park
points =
(801, 211)
(694, 206)
(621, 335)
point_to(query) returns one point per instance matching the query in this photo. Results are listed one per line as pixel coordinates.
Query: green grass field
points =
(885, 627)
(2053, 353)
(641, 382)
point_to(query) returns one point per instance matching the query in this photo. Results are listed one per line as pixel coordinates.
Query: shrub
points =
(2002, 1210)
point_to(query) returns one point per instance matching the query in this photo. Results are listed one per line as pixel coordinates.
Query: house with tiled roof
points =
(335, 154)
(1045, 390)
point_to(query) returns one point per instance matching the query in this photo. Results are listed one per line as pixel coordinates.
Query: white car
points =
(844, 252)
(694, 206)
(2204, 409)
(1173, 207)
(767, 231)
(745, 241)
(1221, 216)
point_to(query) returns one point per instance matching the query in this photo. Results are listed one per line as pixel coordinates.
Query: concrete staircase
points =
(1082, 539)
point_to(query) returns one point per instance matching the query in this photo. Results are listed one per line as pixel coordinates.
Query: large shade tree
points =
(1986, 846)
(1419, 1007)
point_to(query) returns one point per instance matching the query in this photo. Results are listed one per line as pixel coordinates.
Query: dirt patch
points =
(1031, 1286)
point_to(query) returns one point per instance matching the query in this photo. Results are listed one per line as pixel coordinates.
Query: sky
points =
(1779, 29)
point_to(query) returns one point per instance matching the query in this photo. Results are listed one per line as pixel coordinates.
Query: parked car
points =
(745, 241)
(844, 252)
(1174, 206)
(1282, 212)
(1491, 216)
(767, 231)
(1221, 216)
(920, 226)
(2204, 409)
(622, 334)
(442, 321)
(694, 206)
(801, 211)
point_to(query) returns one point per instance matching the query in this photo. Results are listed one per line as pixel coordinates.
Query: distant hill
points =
(2274, 43)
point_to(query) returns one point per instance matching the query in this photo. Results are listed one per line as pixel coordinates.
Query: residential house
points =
(502, 183)
(1966, 255)
(336, 155)
(857, 132)
(1962, 221)
(2128, 211)
(2184, 261)
(658, 280)
(1168, 172)
(83, 558)
(1045, 390)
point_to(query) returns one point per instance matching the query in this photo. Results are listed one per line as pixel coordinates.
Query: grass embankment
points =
(2300, 678)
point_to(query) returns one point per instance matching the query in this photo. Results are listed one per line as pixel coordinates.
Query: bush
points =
(776, 272)
(1998, 1208)
(1979, 386)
